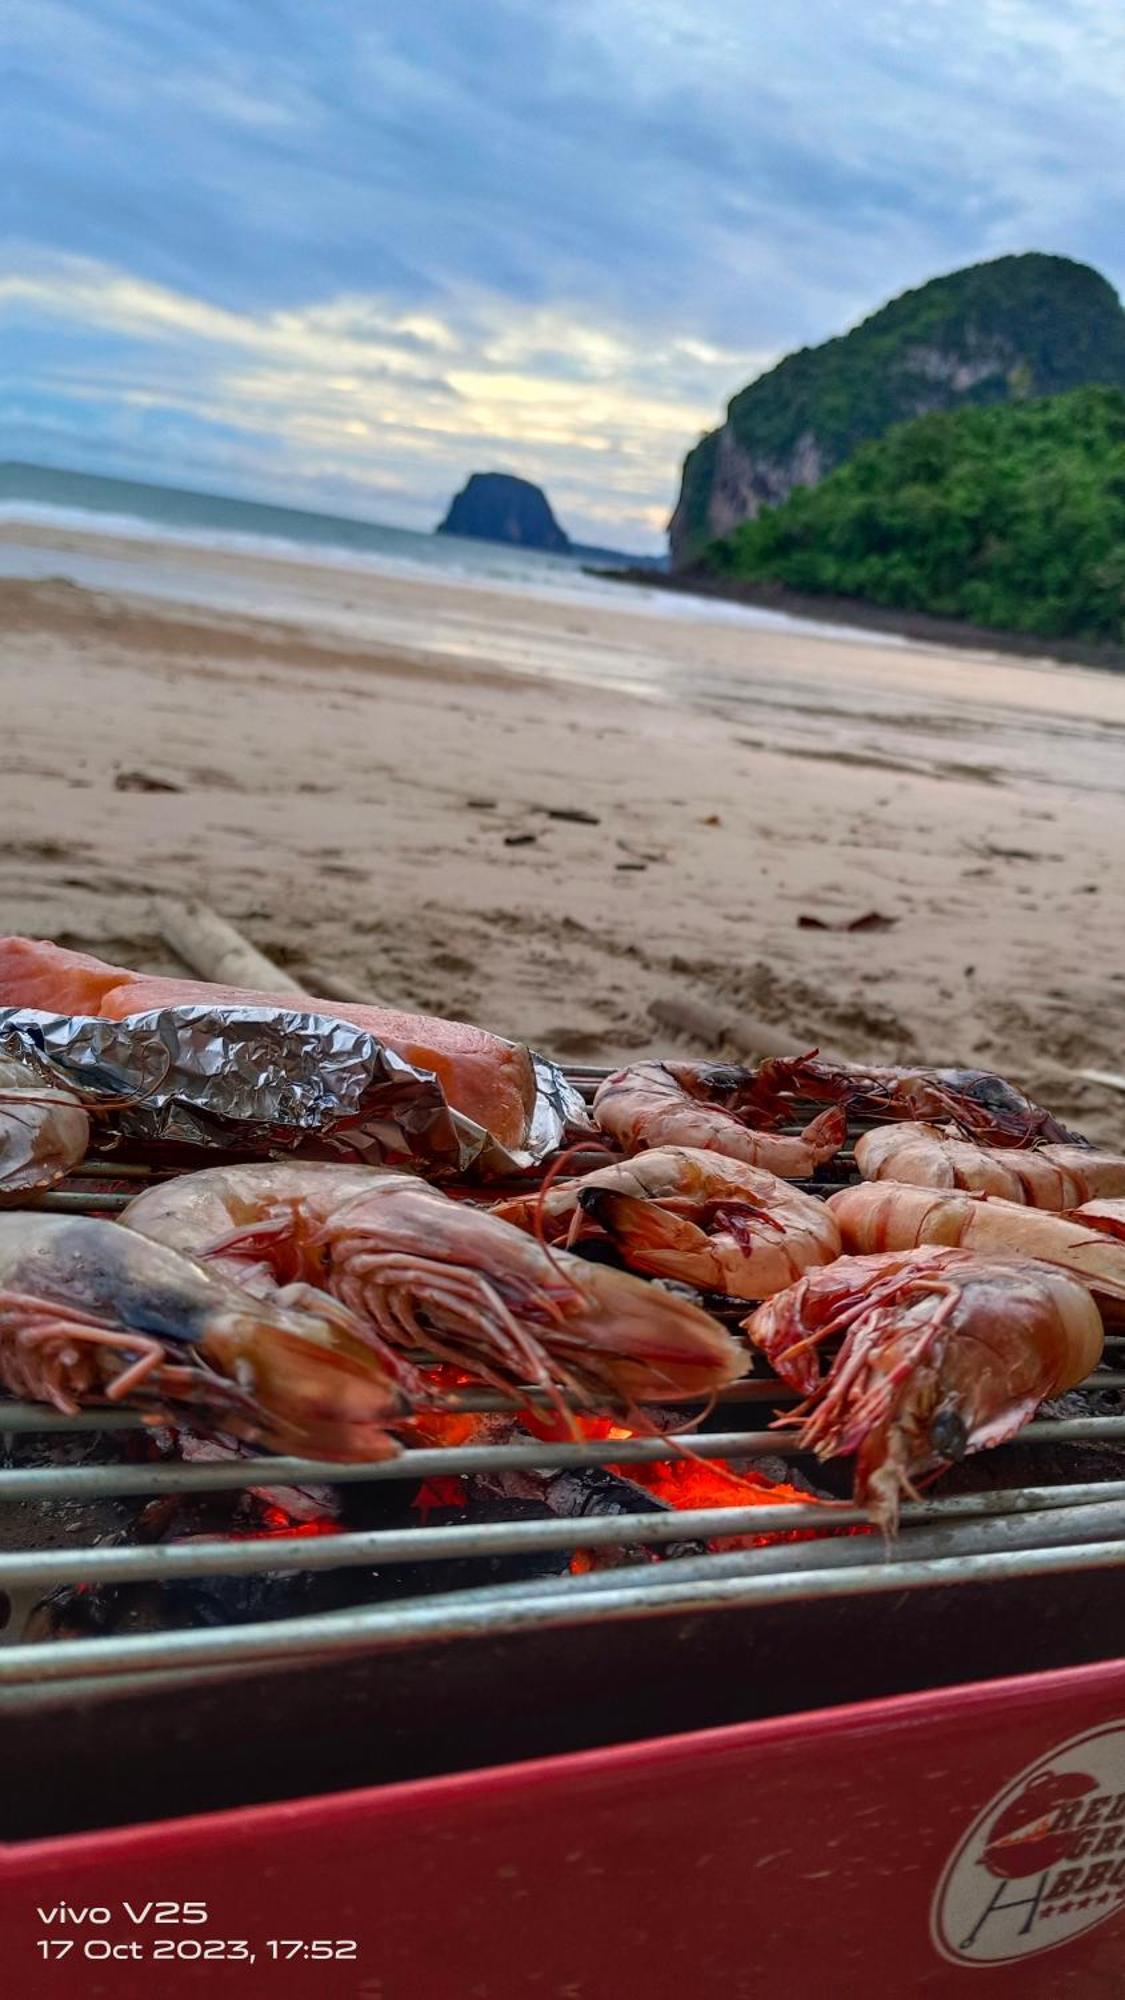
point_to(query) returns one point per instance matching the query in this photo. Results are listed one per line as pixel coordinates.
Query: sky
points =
(341, 253)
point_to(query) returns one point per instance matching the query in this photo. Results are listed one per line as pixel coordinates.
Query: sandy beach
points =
(360, 772)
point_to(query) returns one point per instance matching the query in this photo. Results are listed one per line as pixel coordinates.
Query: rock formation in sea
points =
(497, 507)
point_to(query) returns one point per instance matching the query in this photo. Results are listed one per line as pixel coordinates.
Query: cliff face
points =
(1015, 328)
(496, 507)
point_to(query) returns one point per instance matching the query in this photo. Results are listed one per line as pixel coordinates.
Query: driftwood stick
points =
(216, 951)
(331, 987)
(716, 1028)
(1108, 1077)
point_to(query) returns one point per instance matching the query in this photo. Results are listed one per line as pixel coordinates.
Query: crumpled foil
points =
(264, 1078)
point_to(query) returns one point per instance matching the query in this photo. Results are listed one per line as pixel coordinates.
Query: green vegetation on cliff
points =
(1030, 325)
(1012, 516)
(1018, 327)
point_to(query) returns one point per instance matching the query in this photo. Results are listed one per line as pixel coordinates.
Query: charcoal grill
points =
(1017, 1562)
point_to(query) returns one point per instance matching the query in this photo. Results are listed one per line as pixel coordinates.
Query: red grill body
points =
(805, 1852)
(798, 1855)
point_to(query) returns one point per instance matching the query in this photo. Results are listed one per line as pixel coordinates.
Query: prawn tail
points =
(826, 1133)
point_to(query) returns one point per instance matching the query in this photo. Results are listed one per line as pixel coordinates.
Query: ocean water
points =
(32, 495)
(216, 520)
(874, 699)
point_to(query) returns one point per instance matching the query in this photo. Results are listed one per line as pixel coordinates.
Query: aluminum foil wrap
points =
(264, 1078)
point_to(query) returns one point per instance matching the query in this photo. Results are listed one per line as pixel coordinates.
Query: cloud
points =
(370, 245)
(354, 394)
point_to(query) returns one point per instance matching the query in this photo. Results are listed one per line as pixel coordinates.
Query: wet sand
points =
(364, 782)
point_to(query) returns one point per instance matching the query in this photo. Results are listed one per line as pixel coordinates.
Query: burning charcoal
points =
(592, 1489)
(1089, 1401)
(70, 1611)
(242, 1513)
(479, 1506)
(595, 1490)
(300, 1503)
(56, 1523)
(78, 1611)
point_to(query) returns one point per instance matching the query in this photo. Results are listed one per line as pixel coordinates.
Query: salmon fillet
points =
(490, 1080)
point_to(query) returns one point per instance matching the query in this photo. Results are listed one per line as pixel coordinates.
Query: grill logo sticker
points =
(1045, 1860)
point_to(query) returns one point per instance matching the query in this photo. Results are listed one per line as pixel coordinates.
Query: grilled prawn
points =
(943, 1352)
(1054, 1177)
(91, 1313)
(423, 1271)
(44, 1126)
(196, 1212)
(978, 1102)
(701, 1105)
(888, 1215)
(678, 1212)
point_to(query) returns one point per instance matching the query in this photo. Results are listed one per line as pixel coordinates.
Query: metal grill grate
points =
(982, 1536)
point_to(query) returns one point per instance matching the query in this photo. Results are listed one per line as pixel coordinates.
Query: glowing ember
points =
(685, 1482)
(429, 1427)
(438, 1426)
(275, 1521)
(444, 1490)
